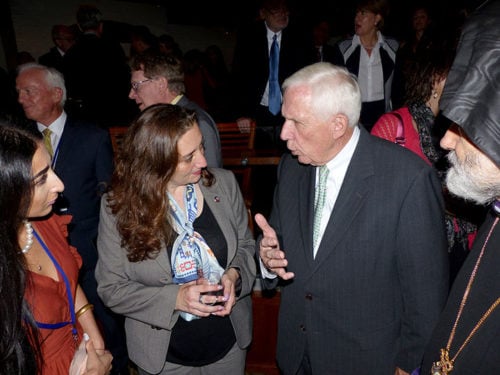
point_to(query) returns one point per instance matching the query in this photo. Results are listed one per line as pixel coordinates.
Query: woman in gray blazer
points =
(165, 224)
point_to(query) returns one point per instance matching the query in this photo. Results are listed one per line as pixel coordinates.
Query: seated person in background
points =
(60, 312)
(426, 79)
(64, 38)
(158, 243)
(157, 78)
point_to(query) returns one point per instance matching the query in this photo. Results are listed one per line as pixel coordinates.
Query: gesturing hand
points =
(269, 251)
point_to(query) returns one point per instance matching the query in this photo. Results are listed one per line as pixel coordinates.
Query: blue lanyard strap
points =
(68, 292)
(54, 158)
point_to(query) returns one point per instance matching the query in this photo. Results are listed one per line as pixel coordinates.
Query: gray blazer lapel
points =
(216, 199)
(163, 261)
(353, 192)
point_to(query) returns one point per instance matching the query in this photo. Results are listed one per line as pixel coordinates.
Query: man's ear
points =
(339, 124)
(163, 83)
(58, 94)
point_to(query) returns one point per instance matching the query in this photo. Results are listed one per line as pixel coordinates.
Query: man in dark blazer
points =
(250, 67)
(82, 157)
(364, 297)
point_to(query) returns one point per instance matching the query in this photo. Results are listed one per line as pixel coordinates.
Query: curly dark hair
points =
(145, 164)
(423, 73)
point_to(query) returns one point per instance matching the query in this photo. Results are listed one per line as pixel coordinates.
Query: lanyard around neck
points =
(68, 292)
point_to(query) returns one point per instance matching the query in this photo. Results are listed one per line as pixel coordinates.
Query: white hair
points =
(53, 77)
(333, 90)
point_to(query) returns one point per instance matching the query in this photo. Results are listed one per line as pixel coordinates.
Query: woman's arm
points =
(87, 320)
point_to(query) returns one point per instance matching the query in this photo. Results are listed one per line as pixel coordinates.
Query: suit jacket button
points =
(302, 328)
(309, 296)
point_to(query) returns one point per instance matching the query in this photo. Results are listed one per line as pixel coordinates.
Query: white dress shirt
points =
(57, 128)
(370, 74)
(337, 168)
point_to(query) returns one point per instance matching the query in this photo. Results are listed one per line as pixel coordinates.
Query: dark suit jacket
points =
(370, 299)
(208, 128)
(98, 80)
(52, 59)
(85, 164)
(250, 68)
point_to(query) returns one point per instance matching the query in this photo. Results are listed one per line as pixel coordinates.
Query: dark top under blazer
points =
(369, 300)
(143, 291)
(84, 163)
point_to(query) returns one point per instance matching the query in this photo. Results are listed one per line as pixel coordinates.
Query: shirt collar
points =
(57, 127)
(356, 41)
(270, 35)
(341, 161)
(176, 99)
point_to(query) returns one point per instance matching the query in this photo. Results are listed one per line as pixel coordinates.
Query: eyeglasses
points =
(136, 85)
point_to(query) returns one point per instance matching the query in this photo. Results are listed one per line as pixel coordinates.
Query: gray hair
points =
(333, 90)
(53, 77)
(155, 64)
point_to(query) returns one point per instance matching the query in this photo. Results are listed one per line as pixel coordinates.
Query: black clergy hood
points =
(471, 97)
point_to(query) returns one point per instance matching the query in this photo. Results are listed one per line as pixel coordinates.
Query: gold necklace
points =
(445, 365)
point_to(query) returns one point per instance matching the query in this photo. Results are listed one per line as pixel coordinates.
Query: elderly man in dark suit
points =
(83, 158)
(356, 233)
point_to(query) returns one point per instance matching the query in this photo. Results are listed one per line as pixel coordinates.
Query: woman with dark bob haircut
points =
(167, 225)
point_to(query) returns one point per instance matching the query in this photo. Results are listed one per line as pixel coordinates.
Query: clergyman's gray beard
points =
(464, 179)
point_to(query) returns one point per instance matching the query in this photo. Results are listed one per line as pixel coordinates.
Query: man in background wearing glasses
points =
(157, 78)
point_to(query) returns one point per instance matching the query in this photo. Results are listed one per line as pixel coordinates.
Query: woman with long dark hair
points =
(38, 269)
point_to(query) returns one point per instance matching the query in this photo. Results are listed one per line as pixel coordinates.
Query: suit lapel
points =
(306, 205)
(217, 200)
(63, 145)
(355, 187)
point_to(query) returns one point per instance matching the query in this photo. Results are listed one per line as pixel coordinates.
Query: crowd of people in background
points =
(315, 98)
